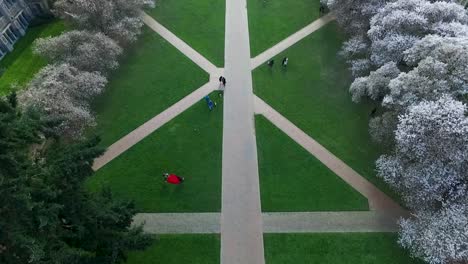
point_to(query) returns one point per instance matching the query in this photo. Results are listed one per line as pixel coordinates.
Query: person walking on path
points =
(322, 9)
(173, 179)
(285, 62)
(270, 63)
(222, 81)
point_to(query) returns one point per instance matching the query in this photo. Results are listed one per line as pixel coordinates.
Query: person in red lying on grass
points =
(173, 179)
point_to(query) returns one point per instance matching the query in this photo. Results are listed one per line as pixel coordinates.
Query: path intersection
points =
(241, 222)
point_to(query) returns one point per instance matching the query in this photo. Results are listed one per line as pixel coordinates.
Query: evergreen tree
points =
(47, 214)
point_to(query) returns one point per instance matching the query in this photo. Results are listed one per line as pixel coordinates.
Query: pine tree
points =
(48, 216)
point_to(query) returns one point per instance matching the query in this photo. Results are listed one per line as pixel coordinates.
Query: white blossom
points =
(430, 163)
(441, 68)
(375, 85)
(119, 19)
(398, 25)
(438, 237)
(84, 50)
(64, 92)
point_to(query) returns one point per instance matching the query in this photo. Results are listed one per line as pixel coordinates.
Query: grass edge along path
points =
(271, 21)
(190, 146)
(178, 249)
(336, 248)
(292, 180)
(144, 86)
(313, 94)
(199, 23)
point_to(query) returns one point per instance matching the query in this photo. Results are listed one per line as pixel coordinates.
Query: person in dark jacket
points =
(270, 63)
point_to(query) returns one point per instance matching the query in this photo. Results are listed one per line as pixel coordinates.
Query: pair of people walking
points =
(284, 62)
(222, 81)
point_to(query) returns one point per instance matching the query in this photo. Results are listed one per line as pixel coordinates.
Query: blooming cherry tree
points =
(64, 93)
(84, 50)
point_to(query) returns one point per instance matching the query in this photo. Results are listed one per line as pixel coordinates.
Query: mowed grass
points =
(21, 64)
(188, 146)
(343, 248)
(292, 180)
(271, 21)
(179, 249)
(152, 76)
(313, 93)
(199, 23)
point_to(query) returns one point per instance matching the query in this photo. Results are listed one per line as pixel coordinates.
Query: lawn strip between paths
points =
(313, 93)
(291, 40)
(199, 23)
(179, 249)
(292, 180)
(377, 199)
(341, 248)
(270, 21)
(188, 51)
(188, 146)
(152, 125)
(142, 87)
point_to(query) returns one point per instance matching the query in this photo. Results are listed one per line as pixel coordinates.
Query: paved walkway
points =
(188, 51)
(377, 199)
(329, 222)
(156, 122)
(152, 125)
(241, 220)
(295, 222)
(291, 40)
(144, 130)
(179, 223)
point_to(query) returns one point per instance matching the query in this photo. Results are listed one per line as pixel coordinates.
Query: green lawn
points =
(179, 249)
(153, 76)
(271, 21)
(293, 180)
(351, 248)
(189, 146)
(313, 93)
(21, 64)
(199, 23)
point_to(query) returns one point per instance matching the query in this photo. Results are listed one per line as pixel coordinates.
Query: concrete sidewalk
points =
(287, 222)
(241, 219)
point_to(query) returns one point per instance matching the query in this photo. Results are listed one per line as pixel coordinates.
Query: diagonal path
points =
(291, 40)
(377, 199)
(156, 122)
(188, 51)
(241, 219)
(287, 222)
(241, 222)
